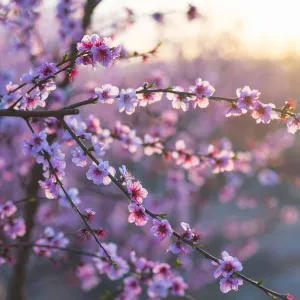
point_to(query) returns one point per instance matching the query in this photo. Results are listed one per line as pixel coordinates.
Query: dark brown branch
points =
(38, 113)
(31, 245)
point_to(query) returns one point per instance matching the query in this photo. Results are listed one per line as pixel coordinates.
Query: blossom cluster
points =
(14, 227)
(43, 84)
(227, 266)
(52, 160)
(217, 158)
(52, 239)
(97, 51)
(69, 13)
(22, 24)
(159, 278)
(199, 95)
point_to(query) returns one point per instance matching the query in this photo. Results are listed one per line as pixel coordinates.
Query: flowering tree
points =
(56, 182)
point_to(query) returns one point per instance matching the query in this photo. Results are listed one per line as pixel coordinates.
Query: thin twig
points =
(206, 254)
(73, 205)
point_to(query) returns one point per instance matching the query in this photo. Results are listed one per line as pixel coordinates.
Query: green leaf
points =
(115, 264)
(260, 282)
(65, 57)
(152, 85)
(178, 263)
(159, 44)
(163, 216)
(235, 157)
(274, 297)
(107, 294)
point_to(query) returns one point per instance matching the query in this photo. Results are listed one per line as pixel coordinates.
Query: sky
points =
(263, 26)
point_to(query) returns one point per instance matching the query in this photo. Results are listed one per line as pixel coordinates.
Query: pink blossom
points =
(7, 209)
(188, 234)
(179, 101)
(203, 91)
(58, 166)
(197, 176)
(263, 112)
(137, 214)
(234, 111)
(107, 93)
(93, 124)
(98, 147)
(45, 88)
(168, 122)
(88, 276)
(111, 249)
(178, 286)
(184, 158)
(132, 286)
(130, 141)
(15, 228)
(147, 97)
(152, 145)
(159, 288)
(86, 43)
(161, 229)
(40, 250)
(79, 158)
(228, 265)
(127, 101)
(126, 177)
(158, 78)
(289, 215)
(59, 240)
(85, 60)
(90, 214)
(63, 200)
(113, 272)
(247, 98)
(79, 127)
(100, 173)
(37, 143)
(11, 97)
(50, 188)
(293, 124)
(29, 77)
(46, 69)
(32, 101)
(227, 193)
(268, 177)
(162, 271)
(223, 162)
(140, 264)
(137, 192)
(178, 247)
(102, 55)
(229, 283)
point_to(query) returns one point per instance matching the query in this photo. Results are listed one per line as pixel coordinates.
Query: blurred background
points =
(251, 212)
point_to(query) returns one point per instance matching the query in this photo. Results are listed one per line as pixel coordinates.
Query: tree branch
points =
(206, 254)
(38, 113)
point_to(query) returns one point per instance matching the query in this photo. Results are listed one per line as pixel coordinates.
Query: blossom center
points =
(162, 228)
(228, 267)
